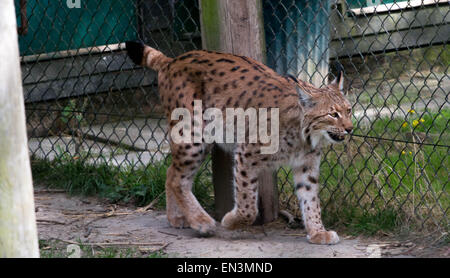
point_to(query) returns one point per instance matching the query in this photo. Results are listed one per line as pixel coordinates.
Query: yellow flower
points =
(415, 123)
(405, 124)
(422, 120)
(412, 111)
(410, 153)
(403, 152)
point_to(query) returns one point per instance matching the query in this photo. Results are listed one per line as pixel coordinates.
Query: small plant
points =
(412, 121)
(70, 112)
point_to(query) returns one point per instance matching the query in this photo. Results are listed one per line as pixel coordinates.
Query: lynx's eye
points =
(334, 115)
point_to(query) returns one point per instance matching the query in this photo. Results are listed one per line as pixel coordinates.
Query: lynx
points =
(309, 118)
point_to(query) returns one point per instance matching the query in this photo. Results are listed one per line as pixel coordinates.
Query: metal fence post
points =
(306, 48)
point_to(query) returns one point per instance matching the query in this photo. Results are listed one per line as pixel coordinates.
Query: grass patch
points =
(429, 127)
(58, 249)
(356, 222)
(139, 186)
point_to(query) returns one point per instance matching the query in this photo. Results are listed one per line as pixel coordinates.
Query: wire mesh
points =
(86, 101)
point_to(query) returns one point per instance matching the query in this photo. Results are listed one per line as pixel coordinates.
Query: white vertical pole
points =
(18, 232)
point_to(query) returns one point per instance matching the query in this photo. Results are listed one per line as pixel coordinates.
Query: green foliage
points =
(69, 112)
(434, 124)
(438, 56)
(386, 178)
(355, 221)
(116, 184)
(58, 249)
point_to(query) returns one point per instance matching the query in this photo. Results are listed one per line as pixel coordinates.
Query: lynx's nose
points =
(349, 130)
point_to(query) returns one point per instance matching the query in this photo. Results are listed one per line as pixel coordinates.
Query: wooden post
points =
(18, 233)
(237, 27)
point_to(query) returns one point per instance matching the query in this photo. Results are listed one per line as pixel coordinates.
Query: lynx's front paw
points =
(178, 222)
(324, 237)
(204, 225)
(230, 221)
(233, 220)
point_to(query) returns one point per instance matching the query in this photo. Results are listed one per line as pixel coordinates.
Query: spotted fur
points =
(309, 118)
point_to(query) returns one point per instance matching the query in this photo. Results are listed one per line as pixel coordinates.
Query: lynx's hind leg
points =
(174, 213)
(187, 158)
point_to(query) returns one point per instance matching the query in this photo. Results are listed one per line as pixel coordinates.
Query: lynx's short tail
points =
(146, 56)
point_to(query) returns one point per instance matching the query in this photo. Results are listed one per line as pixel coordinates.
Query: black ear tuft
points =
(293, 78)
(340, 71)
(339, 80)
(135, 51)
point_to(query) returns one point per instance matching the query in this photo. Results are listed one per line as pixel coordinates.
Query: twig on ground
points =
(47, 221)
(169, 234)
(115, 234)
(289, 217)
(42, 198)
(154, 250)
(50, 191)
(151, 205)
(302, 235)
(102, 244)
(107, 215)
(292, 221)
(439, 238)
(84, 213)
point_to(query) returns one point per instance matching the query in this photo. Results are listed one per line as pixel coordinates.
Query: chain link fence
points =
(88, 105)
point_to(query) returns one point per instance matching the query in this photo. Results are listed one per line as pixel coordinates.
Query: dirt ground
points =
(71, 219)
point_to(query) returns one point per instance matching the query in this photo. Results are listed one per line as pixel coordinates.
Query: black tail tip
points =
(135, 51)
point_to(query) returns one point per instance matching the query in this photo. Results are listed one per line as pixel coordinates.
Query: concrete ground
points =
(71, 219)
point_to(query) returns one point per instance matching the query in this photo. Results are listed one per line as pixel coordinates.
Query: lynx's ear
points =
(339, 80)
(304, 97)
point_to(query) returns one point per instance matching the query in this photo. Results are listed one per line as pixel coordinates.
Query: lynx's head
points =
(327, 112)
